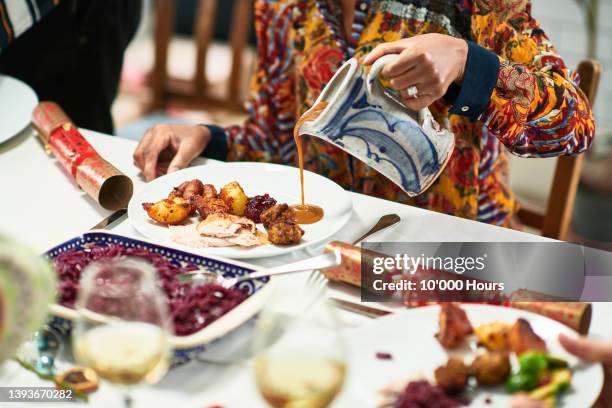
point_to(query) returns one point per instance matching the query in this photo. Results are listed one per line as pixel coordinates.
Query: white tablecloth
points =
(41, 206)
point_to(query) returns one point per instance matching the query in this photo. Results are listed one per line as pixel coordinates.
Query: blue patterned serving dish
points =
(185, 347)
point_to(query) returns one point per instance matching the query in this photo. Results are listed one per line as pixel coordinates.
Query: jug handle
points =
(375, 86)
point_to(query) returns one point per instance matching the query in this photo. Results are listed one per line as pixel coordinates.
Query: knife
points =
(110, 219)
(359, 308)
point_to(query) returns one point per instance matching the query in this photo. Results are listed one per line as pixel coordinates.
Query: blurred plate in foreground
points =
(408, 336)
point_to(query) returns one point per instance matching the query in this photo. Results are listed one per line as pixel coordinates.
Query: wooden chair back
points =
(555, 222)
(193, 92)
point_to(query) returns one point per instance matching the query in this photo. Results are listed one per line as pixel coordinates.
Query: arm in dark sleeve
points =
(217, 147)
(472, 97)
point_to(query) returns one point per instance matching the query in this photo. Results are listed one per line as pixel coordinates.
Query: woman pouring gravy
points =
(485, 69)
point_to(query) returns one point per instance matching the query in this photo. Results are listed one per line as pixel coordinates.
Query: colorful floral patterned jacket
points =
(532, 108)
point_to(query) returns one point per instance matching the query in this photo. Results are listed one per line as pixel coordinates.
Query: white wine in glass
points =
(296, 380)
(125, 352)
(122, 330)
(300, 358)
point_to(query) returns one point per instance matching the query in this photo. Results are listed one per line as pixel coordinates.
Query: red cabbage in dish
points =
(191, 307)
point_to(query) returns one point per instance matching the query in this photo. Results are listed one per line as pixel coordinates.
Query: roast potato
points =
(522, 338)
(169, 211)
(494, 335)
(189, 190)
(233, 195)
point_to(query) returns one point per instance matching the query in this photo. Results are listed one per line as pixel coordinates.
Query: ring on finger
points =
(412, 92)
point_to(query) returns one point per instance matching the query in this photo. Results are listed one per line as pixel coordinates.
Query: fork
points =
(316, 282)
(319, 262)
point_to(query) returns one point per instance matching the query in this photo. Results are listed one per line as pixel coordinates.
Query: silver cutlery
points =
(359, 308)
(107, 221)
(384, 222)
(318, 262)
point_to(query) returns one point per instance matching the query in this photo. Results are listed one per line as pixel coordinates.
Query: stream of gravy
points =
(306, 213)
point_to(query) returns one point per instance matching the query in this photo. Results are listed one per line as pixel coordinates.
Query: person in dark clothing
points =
(74, 56)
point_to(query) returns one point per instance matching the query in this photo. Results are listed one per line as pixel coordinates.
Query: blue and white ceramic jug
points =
(355, 113)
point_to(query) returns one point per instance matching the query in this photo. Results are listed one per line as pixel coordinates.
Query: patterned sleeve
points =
(267, 133)
(536, 108)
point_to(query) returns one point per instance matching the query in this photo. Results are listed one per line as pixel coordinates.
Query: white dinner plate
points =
(17, 101)
(281, 182)
(409, 337)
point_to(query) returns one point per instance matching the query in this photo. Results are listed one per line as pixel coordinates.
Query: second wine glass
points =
(300, 359)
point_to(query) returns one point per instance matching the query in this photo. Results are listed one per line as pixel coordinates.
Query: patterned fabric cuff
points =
(217, 148)
(472, 98)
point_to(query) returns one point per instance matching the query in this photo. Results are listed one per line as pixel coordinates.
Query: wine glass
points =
(122, 329)
(300, 360)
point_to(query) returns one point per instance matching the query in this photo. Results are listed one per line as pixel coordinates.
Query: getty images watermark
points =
(408, 266)
(484, 272)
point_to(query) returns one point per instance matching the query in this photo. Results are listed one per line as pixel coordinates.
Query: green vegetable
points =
(532, 366)
(533, 363)
(555, 362)
(521, 382)
(561, 380)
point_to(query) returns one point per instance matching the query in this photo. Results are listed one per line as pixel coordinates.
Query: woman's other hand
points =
(429, 62)
(174, 146)
(523, 401)
(596, 351)
(591, 350)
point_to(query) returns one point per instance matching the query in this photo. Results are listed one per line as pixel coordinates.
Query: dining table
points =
(41, 206)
